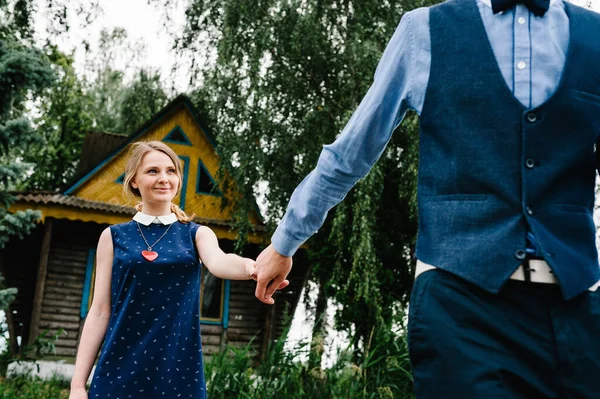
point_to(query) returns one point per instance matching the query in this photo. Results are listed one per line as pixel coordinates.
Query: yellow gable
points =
(200, 163)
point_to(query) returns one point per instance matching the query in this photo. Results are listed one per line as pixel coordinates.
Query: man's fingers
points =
(261, 289)
(271, 270)
(273, 285)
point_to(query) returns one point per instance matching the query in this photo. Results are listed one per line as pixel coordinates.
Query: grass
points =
(26, 386)
(384, 373)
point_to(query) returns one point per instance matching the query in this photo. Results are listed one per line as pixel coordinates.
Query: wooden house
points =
(53, 267)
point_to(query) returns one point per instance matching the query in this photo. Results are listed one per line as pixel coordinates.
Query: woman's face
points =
(156, 178)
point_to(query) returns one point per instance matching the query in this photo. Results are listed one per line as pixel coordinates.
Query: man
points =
(505, 303)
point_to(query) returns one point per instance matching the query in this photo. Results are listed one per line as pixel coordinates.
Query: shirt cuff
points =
(284, 244)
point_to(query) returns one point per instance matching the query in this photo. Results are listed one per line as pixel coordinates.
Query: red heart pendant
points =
(149, 255)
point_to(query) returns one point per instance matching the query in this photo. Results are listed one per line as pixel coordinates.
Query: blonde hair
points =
(137, 151)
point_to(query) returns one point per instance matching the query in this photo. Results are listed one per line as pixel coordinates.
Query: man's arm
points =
(344, 162)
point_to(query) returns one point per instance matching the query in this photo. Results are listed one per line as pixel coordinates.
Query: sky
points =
(144, 24)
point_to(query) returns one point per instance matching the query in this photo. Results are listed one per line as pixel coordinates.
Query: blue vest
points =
(490, 169)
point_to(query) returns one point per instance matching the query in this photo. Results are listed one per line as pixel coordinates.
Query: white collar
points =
(146, 219)
(489, 2)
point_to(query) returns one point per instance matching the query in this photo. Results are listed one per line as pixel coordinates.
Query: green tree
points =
(73, 106)
(24, 72)
(118, 104)
(287, 77)
(143, 98)
(106, 85)
(61, 112)
(17, 16)
(65, 115)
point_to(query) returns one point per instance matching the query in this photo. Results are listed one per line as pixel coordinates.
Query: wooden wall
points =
(63, 291)
(246, 316)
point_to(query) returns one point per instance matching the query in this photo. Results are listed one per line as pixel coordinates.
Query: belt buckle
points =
(527, 271)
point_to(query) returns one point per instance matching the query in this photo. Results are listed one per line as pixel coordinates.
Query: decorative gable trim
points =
(186, 169)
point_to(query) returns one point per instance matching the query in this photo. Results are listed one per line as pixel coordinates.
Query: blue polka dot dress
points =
(152, 346)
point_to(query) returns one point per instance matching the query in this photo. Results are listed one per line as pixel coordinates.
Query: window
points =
(177, 136)
(205, 184)
(211, 296)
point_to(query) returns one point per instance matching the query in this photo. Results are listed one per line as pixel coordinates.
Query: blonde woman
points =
(145, 309)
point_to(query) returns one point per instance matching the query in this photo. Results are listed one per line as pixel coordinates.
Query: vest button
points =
(529, 211)
(530, 163)
(520, 254)
(531, 117)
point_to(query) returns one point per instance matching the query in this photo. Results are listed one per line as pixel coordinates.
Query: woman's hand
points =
(250, 266)
(78, 393)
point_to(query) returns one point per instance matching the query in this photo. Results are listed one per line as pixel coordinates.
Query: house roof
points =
(96, 147)
(46, 198)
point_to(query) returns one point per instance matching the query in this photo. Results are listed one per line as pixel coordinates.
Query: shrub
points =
(383, 373)
(26, 386)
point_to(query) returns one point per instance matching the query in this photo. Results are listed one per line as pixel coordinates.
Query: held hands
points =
(252, 273)
(270, 273)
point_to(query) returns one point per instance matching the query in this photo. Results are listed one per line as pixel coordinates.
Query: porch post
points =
(40, 283)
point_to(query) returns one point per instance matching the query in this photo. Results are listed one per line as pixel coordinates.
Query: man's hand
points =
(271, 272)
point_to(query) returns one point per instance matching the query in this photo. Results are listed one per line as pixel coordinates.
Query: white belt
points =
(540, 273)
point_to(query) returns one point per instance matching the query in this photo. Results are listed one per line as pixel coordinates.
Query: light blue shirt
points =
(530, 52)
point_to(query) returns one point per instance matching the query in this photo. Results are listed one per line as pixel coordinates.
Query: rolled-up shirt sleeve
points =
(361, 143)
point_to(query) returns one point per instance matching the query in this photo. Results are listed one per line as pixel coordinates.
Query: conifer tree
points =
(24, 72)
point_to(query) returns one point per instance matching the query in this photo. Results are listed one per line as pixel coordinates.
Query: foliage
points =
(121, 98)
(7, 295)
(106, 82)
(64, 118)
(26, 386)
(17, 16)
(72, 106)
(383, 373)
(142, 100)
(288, 76)
(24, 72)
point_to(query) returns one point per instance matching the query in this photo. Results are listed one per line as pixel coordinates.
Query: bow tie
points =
(537, 7)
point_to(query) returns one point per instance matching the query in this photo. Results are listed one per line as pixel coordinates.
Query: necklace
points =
(151, 255)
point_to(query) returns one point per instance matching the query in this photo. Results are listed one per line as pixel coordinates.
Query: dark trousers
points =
(525, 342)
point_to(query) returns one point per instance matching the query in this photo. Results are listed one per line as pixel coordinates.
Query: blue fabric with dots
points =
(152, 347)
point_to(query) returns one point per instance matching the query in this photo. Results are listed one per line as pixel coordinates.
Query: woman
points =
(146, 296)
